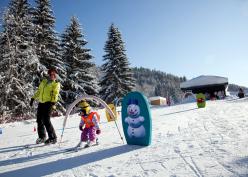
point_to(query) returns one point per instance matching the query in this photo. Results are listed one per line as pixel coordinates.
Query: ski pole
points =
(116, 103)
(61, 137)
(119, 131)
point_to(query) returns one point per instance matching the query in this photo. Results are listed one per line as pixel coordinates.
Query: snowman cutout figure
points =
(134, 120)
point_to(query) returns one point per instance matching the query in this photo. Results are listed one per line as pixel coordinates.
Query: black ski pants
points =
(43, 121)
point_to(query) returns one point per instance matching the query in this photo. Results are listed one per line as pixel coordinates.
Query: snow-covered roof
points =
(157, 98)
(203, 81)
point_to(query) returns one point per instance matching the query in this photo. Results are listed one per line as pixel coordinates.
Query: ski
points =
(87, 146)
(77, 148)
(29, 146)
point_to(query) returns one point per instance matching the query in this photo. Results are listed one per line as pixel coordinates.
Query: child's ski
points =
(87, 145)
(79, 147)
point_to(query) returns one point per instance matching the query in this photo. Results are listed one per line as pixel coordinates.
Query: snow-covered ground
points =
(186, 142)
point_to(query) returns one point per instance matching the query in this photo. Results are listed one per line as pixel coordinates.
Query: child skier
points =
(89, 124)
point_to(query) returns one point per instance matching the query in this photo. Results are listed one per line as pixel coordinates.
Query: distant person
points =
(241, 93)
(216, 95)
(168, 101)
(220, 95)
(223, 94)
(212, 96)
(47, 96)
(207, 96)
(89, 124)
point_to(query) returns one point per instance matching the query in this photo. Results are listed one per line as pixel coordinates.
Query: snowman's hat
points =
(133, 101)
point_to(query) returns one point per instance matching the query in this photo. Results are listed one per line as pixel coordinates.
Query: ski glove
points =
(80, 128)
(98, 131)
(31, 102)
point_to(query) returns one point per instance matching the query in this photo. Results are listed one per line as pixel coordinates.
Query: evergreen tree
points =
(46, 40)
(118, 78)
(79, 67)
(19, 64)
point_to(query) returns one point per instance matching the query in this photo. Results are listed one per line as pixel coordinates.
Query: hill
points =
(157, 83)
(235, 88)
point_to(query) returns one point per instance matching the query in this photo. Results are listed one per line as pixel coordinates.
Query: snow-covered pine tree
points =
(46, 39)
(19, 64)
(80, 76)
(118, 77)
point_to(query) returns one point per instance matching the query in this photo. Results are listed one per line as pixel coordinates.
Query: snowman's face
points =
(133, 110)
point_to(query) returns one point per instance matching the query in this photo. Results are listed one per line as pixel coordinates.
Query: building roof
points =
(204, 81)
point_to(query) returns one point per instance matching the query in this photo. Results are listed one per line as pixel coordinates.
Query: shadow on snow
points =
(23, 147)
(63, 164)
(242, 162)
(14, 148)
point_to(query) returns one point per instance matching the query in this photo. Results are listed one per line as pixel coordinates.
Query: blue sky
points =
(185, 38)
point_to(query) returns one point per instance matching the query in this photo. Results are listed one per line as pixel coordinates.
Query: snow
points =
(186, 142)
(204, 80)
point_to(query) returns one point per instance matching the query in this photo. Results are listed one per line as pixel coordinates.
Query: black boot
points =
(51, 141)
(40, 140)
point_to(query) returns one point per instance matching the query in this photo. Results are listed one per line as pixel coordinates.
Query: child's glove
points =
(80, 128)
(98, 131)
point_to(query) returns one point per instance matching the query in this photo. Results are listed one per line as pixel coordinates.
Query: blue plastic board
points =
(136, 119)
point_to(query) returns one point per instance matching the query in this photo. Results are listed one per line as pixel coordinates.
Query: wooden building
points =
(157, 100)
(211, 86)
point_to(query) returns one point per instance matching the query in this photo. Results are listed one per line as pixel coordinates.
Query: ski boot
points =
(51, 141)
(97, 141)
(88, 144)
(79, 144)
(40, 140)
(92, 143)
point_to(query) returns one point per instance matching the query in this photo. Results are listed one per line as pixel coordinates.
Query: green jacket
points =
(48, 91)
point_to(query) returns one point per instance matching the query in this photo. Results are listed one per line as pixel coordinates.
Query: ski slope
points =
(186, 142)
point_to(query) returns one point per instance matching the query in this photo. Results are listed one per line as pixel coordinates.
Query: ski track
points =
(208, 142)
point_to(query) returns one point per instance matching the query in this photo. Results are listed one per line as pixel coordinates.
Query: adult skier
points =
(47, 96)
(89, 124)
